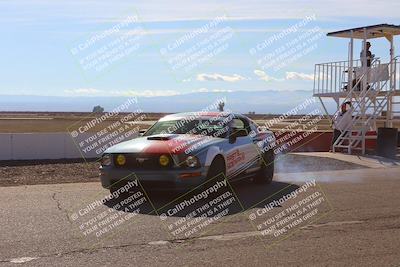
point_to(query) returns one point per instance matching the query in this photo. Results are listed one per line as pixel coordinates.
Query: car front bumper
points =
(154, 179)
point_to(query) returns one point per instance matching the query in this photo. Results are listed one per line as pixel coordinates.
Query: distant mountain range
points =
(267, 102)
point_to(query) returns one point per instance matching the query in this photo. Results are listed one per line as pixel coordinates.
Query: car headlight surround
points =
(106, 160)
(192, 162)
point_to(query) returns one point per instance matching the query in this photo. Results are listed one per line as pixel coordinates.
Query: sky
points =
(159, 48)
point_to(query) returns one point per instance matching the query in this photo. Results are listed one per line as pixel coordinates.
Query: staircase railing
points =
(371, 99)
(351, 93)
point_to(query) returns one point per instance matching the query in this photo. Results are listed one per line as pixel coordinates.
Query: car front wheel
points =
(217, 169)
(266, 173)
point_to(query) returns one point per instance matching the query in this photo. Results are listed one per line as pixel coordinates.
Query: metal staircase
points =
(369, 99)
(367, 105)
(369, 85)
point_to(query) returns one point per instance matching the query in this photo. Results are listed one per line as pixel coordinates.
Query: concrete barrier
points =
(6, 151)
(31, 146)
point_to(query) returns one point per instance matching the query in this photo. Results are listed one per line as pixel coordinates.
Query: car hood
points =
(165, 143)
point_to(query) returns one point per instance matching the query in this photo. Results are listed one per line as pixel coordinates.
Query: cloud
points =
(221, 91)
(292, 75)
(206, 90)
(142, 93)
(145, 93)
(83, 91)
(220, 77)
(201, 90)
(265, 77)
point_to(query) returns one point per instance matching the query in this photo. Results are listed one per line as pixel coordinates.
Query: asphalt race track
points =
(362, 229)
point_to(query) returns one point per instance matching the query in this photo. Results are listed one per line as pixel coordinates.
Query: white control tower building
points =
(365, 81)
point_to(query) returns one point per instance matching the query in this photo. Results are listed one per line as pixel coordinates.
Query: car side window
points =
(237, 123)
(241, 124)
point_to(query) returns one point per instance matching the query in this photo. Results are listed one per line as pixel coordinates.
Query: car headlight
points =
(121, 159)
(192, 162)
(106, 160)
(163, 160)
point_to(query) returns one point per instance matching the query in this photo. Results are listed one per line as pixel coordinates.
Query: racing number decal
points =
(234, 158)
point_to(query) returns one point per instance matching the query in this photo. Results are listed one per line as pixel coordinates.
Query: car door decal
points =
(234, 158)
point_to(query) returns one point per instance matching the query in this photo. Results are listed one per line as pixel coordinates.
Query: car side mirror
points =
(142, 131)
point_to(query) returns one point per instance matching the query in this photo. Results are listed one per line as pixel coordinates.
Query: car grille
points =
(142, 162)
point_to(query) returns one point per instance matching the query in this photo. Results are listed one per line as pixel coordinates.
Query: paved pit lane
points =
(362, 228)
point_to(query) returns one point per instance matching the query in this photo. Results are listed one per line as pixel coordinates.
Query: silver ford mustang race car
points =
(182, 151)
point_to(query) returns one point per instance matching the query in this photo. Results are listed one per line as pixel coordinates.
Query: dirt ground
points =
(47, 172)
(14, 173)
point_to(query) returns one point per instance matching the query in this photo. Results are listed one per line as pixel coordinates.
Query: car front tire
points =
(266, 173)
(217, 169)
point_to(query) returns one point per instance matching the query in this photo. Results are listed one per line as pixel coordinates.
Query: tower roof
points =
(373, 31)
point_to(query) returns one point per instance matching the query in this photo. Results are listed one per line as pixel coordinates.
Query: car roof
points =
(197, 115)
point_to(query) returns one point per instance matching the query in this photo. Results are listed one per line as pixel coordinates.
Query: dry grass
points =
(23, 122)
(59, 122)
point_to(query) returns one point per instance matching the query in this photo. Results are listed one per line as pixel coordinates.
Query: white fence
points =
(28, 146)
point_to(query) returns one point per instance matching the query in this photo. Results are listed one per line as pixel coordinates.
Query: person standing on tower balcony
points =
(368, 54)
(368, 60)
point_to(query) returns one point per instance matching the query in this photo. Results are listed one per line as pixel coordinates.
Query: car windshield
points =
(216, 128)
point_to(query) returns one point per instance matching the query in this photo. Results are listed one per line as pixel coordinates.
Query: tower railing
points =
(348, 95)
(331, 77)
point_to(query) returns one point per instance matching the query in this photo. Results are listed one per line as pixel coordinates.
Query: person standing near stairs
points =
(342, 121)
